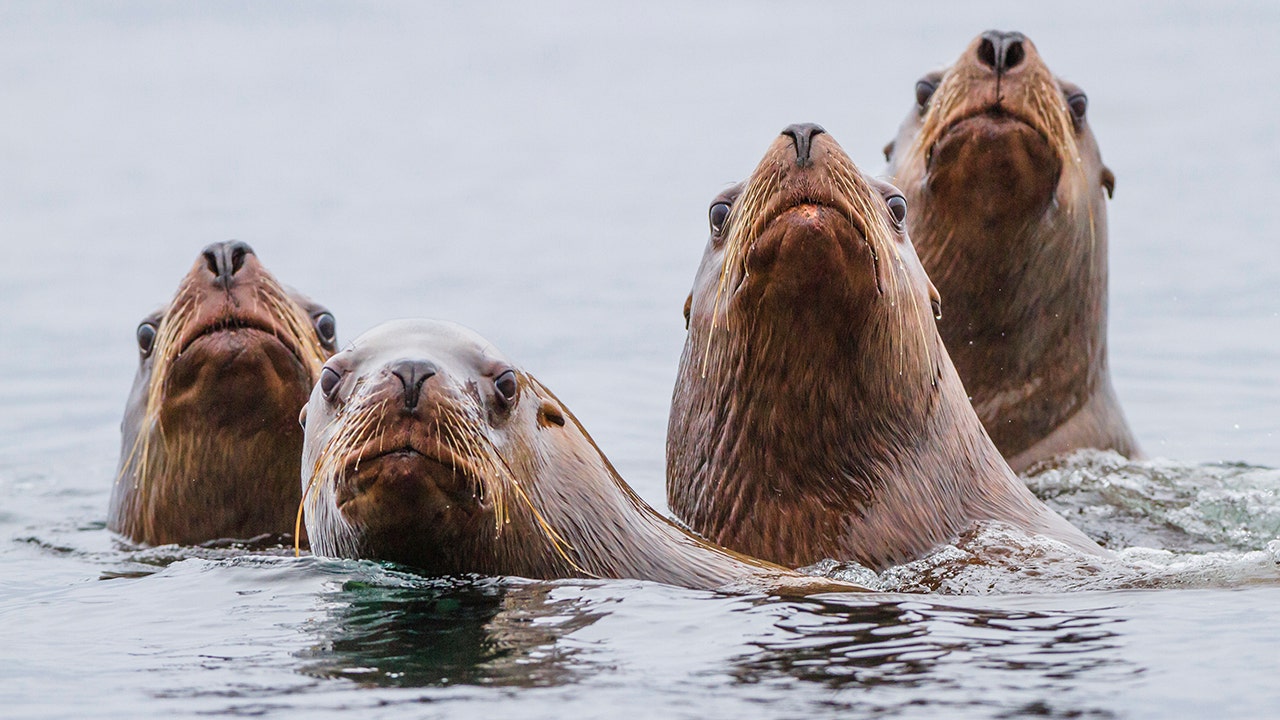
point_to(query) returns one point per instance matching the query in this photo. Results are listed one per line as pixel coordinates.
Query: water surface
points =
(542, 173)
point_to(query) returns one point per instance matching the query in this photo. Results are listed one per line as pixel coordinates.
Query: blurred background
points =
(541, 172)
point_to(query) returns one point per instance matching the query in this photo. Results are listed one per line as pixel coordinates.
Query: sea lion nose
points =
(803, 134)
(1001, 51)
(224, 259)
(412, 374)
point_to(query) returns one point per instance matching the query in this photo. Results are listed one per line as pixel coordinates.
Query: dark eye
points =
(146, 338)
(718, 215)
(506, 385)
(1078, 103)
(329, 379)
(898, 209)
(924, 91)
(326, 329)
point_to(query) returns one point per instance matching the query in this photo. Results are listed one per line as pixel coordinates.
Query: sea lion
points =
(425, 446)
(816, 413)
(210, 441)
(1005, 186)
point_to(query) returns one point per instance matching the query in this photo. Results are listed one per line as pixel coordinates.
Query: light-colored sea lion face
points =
(208, 432)
(424, 446)
(997, 138)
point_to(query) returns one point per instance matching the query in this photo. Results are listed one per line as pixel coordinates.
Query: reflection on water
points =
(385, 630)
(480, 631)
(892, 645)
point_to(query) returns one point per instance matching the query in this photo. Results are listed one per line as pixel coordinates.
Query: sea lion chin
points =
(816, 413)
(425, 446)
(210, 444)
(1007, 195)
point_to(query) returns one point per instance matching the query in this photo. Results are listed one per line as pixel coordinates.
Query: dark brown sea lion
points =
(211, 442)
(1005, 187)
(816, 413)
(425, 446)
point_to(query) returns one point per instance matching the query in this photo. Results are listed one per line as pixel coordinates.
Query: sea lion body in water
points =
(425, 446)
(210, 441)
(1004, 185)
(816, 413)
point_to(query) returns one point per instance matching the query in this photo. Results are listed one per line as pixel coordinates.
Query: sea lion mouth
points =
(822, 213)
(995, 114)
(254, 326)
(411, 464)
(807, 204)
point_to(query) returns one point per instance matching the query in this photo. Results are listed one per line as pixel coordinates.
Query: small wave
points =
(993, 558)
(1163, 503)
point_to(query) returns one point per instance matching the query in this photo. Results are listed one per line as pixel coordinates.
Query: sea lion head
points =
(997, 140)
(209, 428)
(809, 251)
(426, 446)
(812, 348)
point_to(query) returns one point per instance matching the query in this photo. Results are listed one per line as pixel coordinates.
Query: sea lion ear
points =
(1109, 181)
(688, 305)
(549, 414)
(888, 151)
(302, 417)
(935, 301)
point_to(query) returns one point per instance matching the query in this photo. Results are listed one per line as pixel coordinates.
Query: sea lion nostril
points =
(987, 53)
(237, 259)
(802, 134)
(213, 259)
(1013, 53)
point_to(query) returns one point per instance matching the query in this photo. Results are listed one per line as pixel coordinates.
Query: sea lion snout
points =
(1001, 51)
(802, 135)
(224, 259)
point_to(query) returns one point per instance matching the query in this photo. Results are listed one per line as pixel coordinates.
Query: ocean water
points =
(541, 173)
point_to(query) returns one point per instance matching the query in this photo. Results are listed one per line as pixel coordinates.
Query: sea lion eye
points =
(506, 385)
(924, 91)
(1078, 103)
(146, 338)
(898, 209)
(326, 329)
(329, 381)
(719, 214)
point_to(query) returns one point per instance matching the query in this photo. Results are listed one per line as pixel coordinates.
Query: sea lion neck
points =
(817, 433)
(1017, 333)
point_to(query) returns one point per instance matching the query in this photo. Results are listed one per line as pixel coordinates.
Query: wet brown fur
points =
(1005, 190)
(211, 445)
(816, 413)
